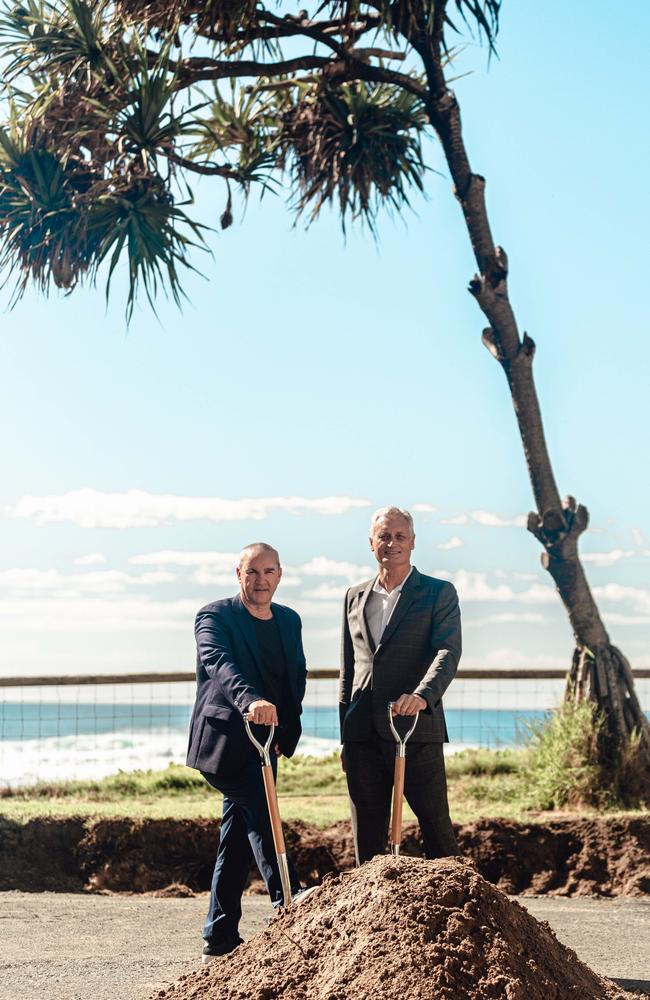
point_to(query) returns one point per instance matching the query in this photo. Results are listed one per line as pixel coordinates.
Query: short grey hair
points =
(387, 512)
(256, 549)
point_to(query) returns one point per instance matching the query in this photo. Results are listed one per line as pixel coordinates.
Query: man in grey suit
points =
(401, 643)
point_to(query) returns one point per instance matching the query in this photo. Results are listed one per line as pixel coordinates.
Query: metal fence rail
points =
(87, 726)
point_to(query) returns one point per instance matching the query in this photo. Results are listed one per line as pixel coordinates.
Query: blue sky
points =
(308, 367)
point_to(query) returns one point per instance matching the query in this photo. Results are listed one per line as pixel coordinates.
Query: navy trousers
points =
(245, 835)
(369, 771)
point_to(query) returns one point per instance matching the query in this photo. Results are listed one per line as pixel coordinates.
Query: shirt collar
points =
(378, 589)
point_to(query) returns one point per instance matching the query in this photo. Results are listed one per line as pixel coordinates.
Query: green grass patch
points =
(514, 784)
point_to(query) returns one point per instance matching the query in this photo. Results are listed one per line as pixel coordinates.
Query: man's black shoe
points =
(212, 949)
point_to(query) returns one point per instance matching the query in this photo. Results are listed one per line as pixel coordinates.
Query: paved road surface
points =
(58, 946)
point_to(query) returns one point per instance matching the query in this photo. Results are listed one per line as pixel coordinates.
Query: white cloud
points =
(322, 566)
(317, 609)
(92, 559)
(223, 561)
(475, 587)
(515, 659)
(423, 508)
(90, 508)
(83, 614)
(206, 577)
(453, 543)
(606, 558)
(490, 520)
(616, 618)
(538, 593)
(18, 581)
(458, 519)
(637, 596)
(506, 618)
(326, 592)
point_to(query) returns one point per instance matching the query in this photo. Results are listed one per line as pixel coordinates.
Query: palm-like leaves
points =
(358, 146)
(59, 222)
(109, 127)
(54, 38)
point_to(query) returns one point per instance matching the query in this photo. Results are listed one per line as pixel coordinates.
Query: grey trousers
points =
(369, 771)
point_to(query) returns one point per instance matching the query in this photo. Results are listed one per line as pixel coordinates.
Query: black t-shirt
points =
(274, 662)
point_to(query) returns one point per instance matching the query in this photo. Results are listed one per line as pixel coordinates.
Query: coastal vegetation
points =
(556, 770)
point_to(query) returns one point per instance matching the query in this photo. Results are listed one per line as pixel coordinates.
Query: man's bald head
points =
(256, 549)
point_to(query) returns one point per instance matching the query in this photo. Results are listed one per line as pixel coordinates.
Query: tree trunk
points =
(599, 671)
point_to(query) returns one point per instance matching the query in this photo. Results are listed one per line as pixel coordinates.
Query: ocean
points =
(58, 740)
(64, 732)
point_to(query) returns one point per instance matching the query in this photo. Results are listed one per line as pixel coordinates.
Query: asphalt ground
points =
(60, 946)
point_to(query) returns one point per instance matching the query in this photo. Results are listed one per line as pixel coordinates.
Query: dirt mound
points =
(404, 928)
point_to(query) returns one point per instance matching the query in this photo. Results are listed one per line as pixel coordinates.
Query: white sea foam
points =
(88, 756)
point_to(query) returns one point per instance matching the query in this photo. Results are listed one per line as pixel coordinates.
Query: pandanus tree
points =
(113, 106)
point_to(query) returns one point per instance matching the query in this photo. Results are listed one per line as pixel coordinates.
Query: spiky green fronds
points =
(357, 146)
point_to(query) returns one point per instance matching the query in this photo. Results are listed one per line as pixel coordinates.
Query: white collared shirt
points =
(380, 606)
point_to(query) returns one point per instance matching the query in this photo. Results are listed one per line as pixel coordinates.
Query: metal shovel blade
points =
(398, 780)
(274, 810)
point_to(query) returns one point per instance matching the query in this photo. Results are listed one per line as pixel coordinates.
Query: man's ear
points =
(239, 573)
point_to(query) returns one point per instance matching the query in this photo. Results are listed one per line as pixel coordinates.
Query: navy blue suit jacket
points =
(229, 677)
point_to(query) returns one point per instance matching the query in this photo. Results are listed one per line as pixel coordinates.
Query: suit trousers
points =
(245, 835)
(369, 771)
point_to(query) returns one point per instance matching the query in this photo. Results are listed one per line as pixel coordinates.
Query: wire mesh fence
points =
(54, 729)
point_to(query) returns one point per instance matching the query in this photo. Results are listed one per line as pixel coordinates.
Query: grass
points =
(508, 783)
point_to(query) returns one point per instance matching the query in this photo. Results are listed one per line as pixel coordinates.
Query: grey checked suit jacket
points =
(418, 653)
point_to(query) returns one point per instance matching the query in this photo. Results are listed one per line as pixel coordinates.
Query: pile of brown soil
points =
(404, 928)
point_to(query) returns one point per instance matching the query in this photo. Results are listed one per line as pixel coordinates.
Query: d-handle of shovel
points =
(398, 780)
(272, 802)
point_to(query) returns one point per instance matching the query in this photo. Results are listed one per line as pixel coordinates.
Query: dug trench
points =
(564, 856)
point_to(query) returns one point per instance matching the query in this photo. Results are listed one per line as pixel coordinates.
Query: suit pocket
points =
(218, 712)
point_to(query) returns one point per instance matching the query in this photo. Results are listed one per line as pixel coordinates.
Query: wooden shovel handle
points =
(398, 800)
(274, 811)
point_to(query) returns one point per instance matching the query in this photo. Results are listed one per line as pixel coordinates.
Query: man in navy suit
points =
(250, 660)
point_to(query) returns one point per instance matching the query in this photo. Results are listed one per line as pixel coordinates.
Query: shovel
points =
(398, 780)
(274, 812)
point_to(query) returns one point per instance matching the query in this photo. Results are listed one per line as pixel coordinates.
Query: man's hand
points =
(409, 704)
(263, 713)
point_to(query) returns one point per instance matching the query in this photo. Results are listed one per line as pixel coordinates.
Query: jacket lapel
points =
(247, 628)
(408, 595)
(363, 624)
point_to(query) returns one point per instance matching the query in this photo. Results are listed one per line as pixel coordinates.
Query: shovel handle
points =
(274, 811)
(398, 801)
